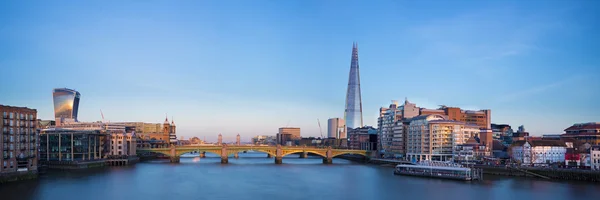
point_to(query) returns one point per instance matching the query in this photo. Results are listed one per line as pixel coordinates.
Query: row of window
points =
(12, 115)
(18, 130)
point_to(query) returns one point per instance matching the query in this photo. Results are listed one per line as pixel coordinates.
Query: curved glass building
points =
(66, 104)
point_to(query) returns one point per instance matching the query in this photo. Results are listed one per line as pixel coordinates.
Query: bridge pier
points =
(327, 161)
(174, 159)
(236, 155)
(224, 160)
(304, 155)
(203, 154)
(278, 160)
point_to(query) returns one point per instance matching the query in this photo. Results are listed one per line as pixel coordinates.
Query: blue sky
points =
(250, 67)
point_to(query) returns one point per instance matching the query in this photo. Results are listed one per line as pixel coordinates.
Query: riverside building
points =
(19, 142)
(434, 137)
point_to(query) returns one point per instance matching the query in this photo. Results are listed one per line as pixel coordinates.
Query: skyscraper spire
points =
(353, 110)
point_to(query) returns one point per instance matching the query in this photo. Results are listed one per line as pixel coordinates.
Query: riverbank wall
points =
(18, 176)
(543, 173)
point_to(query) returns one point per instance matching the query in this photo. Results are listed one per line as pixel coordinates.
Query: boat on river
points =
(437, 169)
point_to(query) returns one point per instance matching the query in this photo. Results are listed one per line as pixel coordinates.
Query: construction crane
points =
(319, 122)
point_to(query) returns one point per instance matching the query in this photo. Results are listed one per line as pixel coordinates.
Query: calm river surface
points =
(253, 176)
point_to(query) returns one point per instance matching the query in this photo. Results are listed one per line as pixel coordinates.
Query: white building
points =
(434, 137)
(595, 157)
(123, 144)
(538, 152)
(336, 128)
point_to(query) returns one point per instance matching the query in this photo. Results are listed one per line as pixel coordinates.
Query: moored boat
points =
(438, 170)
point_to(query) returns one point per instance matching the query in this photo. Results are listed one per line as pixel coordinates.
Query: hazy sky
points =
(250, 67)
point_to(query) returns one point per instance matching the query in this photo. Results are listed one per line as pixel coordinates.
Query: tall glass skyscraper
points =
(66, 104)
(353, 111)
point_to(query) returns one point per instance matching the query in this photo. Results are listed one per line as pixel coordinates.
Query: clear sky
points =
(250, 67)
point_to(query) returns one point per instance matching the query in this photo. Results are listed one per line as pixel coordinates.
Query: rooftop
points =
(535, 143)
(584, 126)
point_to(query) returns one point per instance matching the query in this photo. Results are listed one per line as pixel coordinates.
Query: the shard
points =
(353, 111)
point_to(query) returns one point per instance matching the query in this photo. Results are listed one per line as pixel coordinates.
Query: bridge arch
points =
(217, 152)
(349, 153)
(288, 152)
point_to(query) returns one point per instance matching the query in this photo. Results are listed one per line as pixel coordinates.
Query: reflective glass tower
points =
(66, 104)
(353, 111)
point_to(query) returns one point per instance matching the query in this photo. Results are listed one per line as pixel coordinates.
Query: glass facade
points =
(71, 145)
(66, 103)
(353, 111)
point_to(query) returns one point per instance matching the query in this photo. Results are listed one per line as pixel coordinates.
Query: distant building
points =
(196, 140)
(264, 140)
(334, 143)
(595, 158)
(470, 151)
(336, 128)
(538, 152)
(66, 105)
(503, 133)
(43, 124)
(434, 137)
(363, 138)
(288, 134)
(584, 133)
(19, 141)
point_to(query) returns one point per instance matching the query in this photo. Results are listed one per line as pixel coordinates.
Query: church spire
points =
(166, 119)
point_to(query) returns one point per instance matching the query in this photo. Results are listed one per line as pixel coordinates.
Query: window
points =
(11, 115)
(119, 147)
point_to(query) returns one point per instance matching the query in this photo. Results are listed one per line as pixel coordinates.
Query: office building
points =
(434, 137)
(58, 145)
(481, 118)
(120, 139)
(66, 105)
(584, 133)
(363, 138)
(18, 141)
(288, 135)
(394, 120)
(392, 123)
(353, 112)
(385, 124)
(336, 128)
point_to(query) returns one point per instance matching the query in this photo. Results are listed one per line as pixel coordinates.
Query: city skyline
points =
(262, 66)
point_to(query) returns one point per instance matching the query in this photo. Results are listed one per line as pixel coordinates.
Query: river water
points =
(253, 176)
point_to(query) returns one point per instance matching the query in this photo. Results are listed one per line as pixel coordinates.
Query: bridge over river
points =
(278, 152)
